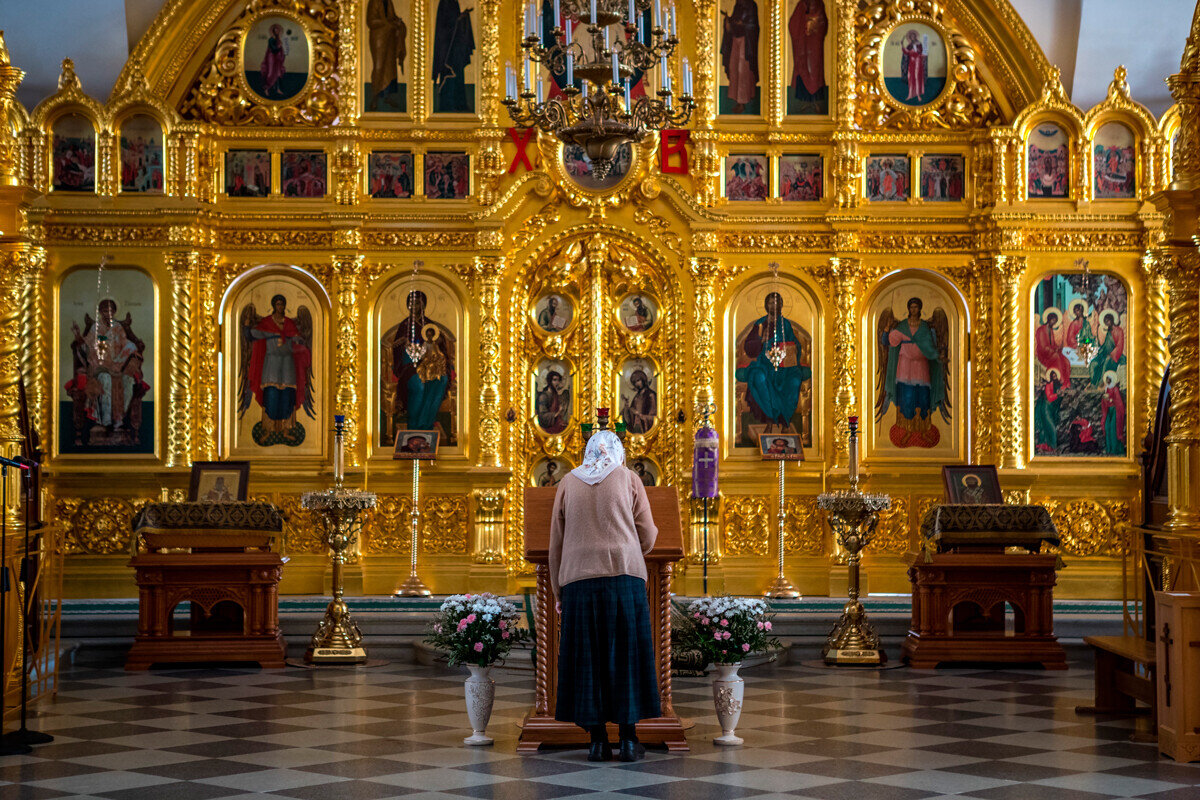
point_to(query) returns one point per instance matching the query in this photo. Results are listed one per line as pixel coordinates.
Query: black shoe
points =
(600, 751)
(631, 750)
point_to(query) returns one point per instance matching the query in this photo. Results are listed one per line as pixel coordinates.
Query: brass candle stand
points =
(338, 639)
(781, 587)
(853, 516)
(413, 586)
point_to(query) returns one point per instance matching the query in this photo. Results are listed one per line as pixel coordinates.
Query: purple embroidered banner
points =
(704, 463)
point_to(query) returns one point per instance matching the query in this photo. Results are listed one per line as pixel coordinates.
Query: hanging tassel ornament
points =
(415, 350)
(776, 353)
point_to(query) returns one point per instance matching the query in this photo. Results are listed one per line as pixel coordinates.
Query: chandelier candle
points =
(854, 453)
(339, 449)
(600, 115)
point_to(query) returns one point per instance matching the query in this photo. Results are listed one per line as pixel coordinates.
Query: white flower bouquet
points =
(727, 629)
(476, 629)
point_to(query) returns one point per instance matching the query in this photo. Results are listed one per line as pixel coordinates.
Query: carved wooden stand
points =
(945, 588)
(249, 580)
(540, 727)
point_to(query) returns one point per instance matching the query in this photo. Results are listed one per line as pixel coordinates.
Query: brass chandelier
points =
(600, 114)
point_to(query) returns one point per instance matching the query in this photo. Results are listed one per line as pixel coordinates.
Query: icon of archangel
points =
(913, 373)
(276, 371)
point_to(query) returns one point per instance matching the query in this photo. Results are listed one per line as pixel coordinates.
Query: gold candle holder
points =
(853, 516)
(781, 587)
(413, 586)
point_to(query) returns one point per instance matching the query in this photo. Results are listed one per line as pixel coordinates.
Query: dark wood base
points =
(537, 731)
(923, 652)
(270, 652)
(958, 609)
(234, 608)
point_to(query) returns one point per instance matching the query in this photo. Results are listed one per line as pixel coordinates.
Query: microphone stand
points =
(23, 735)
(7, 747)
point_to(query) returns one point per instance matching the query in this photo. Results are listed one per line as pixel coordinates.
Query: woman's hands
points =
(558, 607)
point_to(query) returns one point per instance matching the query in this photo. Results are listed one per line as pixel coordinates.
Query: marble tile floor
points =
(396, 731)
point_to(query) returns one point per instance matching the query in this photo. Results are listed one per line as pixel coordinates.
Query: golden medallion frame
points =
(947, 88)
(250, 23)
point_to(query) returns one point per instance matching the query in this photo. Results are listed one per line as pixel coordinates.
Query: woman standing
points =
(600, 530)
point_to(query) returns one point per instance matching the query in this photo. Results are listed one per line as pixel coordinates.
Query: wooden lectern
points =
(539, 726)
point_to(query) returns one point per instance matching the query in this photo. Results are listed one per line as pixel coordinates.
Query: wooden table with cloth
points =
(964, 579)
(218, 558)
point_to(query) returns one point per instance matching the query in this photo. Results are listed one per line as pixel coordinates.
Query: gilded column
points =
(488, 270)
(205, 380)
(10, 142)
(13, 258)
(488, 545)
(1180, 202)
(350, 98)
(348, 271)
(183, 267)
(983, 371)
(35, 338)
(846, 281)
(1156, 314)
(705, 271)
(597, 253)
(1183, 443)
(1011, 271)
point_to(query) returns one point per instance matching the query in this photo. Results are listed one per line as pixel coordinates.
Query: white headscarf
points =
(603, 454)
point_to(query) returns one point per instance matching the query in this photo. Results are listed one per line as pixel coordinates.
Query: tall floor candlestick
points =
(782, 587)
(341, 511)
(413, 586)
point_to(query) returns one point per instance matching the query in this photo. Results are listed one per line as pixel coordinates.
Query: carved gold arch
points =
(595, 266)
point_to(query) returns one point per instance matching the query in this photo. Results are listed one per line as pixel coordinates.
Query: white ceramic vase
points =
(481, 693)
(728, 691)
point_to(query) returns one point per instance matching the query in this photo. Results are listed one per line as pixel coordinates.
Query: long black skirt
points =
(606, 653)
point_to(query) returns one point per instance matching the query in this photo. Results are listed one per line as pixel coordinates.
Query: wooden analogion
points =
(539, 726)
(216, 557)
(960, 592)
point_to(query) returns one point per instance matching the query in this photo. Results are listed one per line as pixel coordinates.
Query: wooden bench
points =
(1124, 675)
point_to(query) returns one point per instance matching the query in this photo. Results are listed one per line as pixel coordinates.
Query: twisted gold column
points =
(1183, 443)
(13, 257)
(35, 338)
(1011, 270)
(179, 415)
(1156, 314)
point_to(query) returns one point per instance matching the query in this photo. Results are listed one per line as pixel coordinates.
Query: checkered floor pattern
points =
(396, 731)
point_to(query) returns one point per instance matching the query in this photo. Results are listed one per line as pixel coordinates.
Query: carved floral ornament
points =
(222, 95)
(965, 101)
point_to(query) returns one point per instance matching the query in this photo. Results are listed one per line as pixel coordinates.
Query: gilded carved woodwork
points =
(896, 531)
(1089, 527)
(97, 526)
(746, 525)
(443, 527)
(488, 545)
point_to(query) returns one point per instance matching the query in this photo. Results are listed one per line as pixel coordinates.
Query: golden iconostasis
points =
(280, 200)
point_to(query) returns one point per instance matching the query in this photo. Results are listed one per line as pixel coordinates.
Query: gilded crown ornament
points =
(598, 112)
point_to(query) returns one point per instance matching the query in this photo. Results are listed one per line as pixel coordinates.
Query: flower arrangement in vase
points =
(726, 630)
(477, 630)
